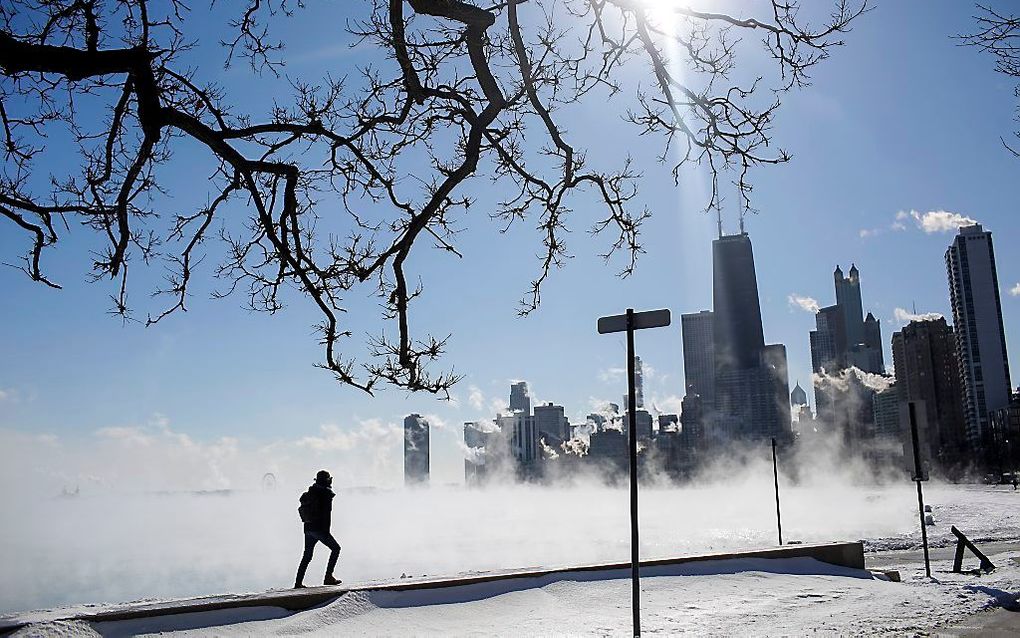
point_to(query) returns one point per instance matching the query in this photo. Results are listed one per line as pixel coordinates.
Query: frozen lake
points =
(120, 547)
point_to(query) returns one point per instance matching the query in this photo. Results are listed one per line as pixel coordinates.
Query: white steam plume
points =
(841, 380)
(936, 221)
(807, 304)
(902, 316)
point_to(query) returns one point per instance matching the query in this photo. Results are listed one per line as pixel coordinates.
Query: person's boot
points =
(329, 580)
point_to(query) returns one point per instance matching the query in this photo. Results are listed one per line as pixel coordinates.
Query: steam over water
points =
(120, 547)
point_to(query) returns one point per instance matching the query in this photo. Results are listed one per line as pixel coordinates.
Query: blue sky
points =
(900, 119)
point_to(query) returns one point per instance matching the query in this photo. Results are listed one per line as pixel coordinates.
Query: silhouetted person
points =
(315, 510)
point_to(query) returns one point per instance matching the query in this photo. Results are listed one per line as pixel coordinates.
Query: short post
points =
(630, 322)
(918, 478)
(775, 475)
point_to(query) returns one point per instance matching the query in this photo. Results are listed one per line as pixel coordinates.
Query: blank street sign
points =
(646, 319)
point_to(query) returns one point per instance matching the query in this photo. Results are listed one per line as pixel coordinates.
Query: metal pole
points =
(632, 411)
(775, 475)
(918, 475)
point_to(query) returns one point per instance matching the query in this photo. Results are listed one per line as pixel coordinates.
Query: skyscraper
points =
(739, 338)
(550, 421)
(416, 450)
(848, 298)
(844, 339)
(980, 337)
(476, 443)
(520, 400)
(751, 382)
(828, 341)
(1004, 424)
(924, 356)
(887, 413)
(643, 422)
(872, 351)
(523, 439)
(699, 355)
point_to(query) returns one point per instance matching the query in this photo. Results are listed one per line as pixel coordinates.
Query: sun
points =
(661, 13)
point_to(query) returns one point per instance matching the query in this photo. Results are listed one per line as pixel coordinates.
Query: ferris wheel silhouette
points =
(268, 481)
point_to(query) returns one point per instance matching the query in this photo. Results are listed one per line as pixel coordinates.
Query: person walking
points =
(315, 510)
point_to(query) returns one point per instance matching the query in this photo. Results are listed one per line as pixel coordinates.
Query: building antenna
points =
(718, 218)
(913, 305)
(741, 222)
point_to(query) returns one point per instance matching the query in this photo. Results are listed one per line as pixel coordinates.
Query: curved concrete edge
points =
(850, 555)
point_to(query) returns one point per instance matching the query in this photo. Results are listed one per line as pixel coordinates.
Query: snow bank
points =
(712, 598)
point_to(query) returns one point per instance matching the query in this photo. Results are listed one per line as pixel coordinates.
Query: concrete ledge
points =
(849, 555)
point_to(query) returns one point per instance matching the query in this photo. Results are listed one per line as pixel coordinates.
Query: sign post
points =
(919, 477)
(630, 322)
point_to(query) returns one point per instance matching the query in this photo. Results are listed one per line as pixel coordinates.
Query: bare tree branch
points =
(387, 155)
(999, 34)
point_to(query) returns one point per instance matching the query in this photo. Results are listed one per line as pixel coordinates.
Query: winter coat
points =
(322, 509)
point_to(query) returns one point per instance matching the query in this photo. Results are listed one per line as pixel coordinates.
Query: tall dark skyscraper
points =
(848, 298)
(872, 351)
(739, 338)
(828, 340)
(699, 355)
(520, 400)
(980, 337)
(924, 356)
(416, 450)
(843, 339)
(751, 381)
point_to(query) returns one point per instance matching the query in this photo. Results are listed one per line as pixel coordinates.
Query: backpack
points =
(308, 510)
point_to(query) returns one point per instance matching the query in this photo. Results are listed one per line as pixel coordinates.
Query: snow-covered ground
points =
(106, 549)
(746, 597)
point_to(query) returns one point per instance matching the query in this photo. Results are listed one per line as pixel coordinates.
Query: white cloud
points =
(902, 316)
(334, 438)
(4, 394)
(935, 221)
(611, 375)
(436, 422)
(131, 436)
(475, 397)
(807, 304)
(1015, 290)
(499, 405)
